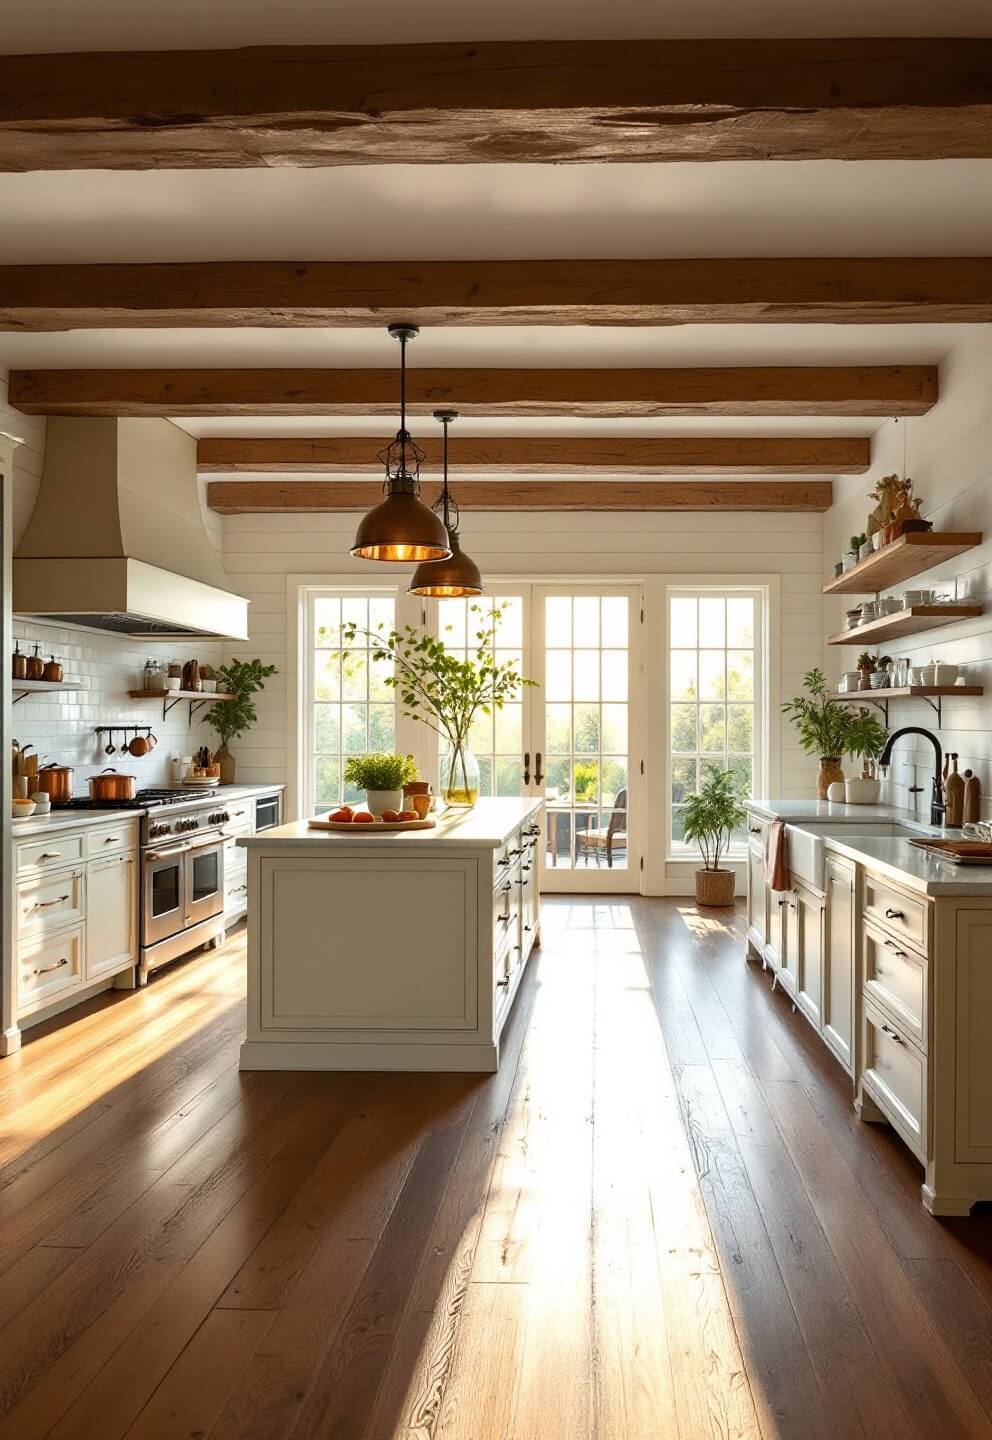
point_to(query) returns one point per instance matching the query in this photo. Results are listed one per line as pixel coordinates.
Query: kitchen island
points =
(390, 951)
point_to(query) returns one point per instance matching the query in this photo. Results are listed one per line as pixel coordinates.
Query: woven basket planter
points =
(715, 887)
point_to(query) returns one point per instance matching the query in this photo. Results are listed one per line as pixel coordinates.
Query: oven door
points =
(204, 883)
(163, 894)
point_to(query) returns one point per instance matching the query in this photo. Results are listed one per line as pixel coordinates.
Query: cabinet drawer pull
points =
(50, 855)
(503, 919)
(44, 969)
(783, 902)
(504, 983)
(111, 839)
(891, 945)
(754, 829)
(527, 927)
(47, 904)
(895, 915)
(893, 1034)
(506, 887)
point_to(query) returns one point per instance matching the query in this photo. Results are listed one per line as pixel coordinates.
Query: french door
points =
(573, 738)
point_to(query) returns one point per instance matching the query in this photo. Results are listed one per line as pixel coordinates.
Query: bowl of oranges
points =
(362, 822)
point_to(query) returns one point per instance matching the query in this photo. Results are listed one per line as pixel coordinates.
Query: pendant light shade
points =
(458, 574)
(402, 528)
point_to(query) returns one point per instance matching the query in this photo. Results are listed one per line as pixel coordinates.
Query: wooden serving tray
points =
(348, 827)
(962, 852)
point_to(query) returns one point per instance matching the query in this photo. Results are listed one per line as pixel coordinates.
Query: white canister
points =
(836, 793)
(928, 674)
(945, 673)
(175, 770)
(861, 792)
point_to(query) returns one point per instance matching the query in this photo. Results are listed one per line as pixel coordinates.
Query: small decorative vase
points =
(227, 763)
(830, 772)
(460, 777)
(380, 800)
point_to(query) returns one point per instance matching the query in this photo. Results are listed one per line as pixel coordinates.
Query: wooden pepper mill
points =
(972, 798)
(954, 797)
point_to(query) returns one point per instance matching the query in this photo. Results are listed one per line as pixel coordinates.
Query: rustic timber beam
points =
(756, 390)
(541, 455)
(265, 497)
(497, 292)
(760, 99)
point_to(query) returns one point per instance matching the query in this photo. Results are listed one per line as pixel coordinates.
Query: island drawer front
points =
(47, 967)
(506, 904)
(896, 979)
(895, 1077)
(904, 916)
(53, 853)
(757, 829)
(49, 902)
(112, 840)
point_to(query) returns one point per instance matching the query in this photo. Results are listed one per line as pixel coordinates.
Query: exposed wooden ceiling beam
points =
(490, 292)
(246, 497)
(853, 99)
(541, 455)
(755, 390)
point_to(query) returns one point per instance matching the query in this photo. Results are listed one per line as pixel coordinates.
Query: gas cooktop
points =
(144, 800)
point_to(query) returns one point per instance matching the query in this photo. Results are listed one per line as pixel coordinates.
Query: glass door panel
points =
(582, 737)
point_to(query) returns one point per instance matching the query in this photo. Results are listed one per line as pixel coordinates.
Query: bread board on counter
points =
(961, 852)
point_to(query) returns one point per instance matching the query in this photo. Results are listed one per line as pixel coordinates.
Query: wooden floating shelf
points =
(22, 688)
(906, 622)
(908, 556)
(171, 698)
(906, 692)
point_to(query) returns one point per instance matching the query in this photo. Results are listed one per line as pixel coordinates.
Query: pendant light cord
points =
(444, 491)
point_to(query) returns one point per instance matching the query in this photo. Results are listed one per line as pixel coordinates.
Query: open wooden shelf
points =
(906, 622)
(23, 688)
(906, 692)
(171, 698)
(910, 555)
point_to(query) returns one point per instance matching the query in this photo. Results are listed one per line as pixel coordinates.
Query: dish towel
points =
(776, 862)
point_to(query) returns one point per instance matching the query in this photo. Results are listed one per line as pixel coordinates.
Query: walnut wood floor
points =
(661, 1219)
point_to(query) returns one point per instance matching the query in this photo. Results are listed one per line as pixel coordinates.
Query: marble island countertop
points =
(485, 826)
(891, 855)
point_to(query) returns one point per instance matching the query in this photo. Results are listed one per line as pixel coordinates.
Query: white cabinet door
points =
(757, 896)
(809, 925)
(788, 975)
(838, 960)
(111, 915)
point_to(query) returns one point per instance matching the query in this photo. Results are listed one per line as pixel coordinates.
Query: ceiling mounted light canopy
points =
(458, 574)
(402, 528)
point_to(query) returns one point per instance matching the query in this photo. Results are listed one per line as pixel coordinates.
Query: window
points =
(496, 739)
(714, 694)
(351, 710)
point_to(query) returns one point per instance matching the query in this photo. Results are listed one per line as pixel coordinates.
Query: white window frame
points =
(765, 590)
(301, 591)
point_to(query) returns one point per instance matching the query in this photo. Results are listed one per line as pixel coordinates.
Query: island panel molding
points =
(544, 455)
(501, 102)
(861, 390)
(251, 497)
(498, 292)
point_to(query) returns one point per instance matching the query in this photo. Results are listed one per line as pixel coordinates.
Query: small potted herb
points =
(242, 680)
(864, 546)
(866, 739)
(382, 777)
(823, 726)
(867, 666)
(710, 818)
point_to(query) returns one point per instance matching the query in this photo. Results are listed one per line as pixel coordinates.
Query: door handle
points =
(538, 772)
(526, 767)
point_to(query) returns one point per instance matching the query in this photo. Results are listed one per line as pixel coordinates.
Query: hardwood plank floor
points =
(660, 1221)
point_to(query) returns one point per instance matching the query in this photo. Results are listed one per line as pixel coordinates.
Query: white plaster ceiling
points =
(53, 25)
(530, 212)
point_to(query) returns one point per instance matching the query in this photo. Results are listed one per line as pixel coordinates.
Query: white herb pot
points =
(862, 792)
(379, 800)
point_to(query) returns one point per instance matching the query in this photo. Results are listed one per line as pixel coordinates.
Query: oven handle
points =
(219, 838)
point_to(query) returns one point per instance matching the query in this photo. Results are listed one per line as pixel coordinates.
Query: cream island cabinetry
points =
(902, 947)
(397, 951)
(75, 910)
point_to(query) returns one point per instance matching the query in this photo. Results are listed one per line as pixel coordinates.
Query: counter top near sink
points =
(798, 811)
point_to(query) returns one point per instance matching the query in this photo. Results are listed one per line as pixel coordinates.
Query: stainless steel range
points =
(182, 876)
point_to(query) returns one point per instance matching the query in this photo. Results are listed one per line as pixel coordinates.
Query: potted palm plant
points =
(446, 693)
(710, 818)
(382, 777)
(823, 727)
(233, 718)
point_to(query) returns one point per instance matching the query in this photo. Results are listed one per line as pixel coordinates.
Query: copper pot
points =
(56, 781)
(36, 666)
(19, 664)
(112, 785)
(53, 671)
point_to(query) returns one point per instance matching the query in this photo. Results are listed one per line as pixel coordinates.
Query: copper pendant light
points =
(458, 574)
(402, 528)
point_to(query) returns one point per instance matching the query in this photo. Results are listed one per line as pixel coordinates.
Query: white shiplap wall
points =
(61, 727)
(261, 550)
(949, 455)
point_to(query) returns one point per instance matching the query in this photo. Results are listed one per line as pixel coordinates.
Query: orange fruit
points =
(363, 818)
(408, 815)
(341, 816)
(390, 816)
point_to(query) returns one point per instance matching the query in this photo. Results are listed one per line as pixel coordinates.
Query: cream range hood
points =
(117, 541)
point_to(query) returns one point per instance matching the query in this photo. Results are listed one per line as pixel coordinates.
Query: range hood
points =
(117, 540)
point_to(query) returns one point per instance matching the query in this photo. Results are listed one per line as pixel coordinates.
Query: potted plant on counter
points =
(445, 692)
(710, 818)
(233, 718)
(823, 727)
(865, 741)
(382, 777)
